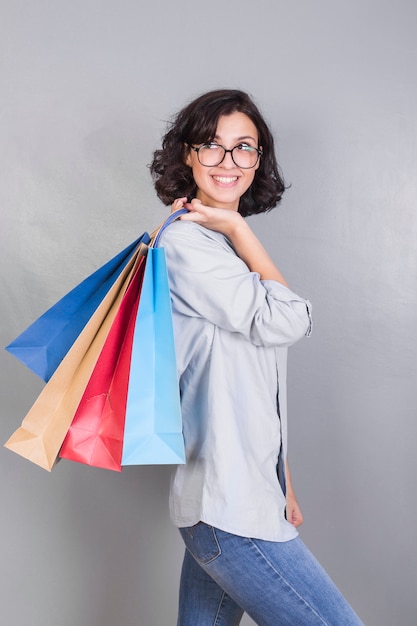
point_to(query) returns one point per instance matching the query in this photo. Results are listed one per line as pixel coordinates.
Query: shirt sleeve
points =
(208, 280)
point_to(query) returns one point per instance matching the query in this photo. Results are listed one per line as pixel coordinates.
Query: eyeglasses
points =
(212, 154)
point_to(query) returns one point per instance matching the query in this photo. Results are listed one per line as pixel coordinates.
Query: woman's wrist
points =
(238, 228)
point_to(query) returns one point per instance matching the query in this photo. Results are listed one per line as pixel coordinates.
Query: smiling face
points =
(223, 185)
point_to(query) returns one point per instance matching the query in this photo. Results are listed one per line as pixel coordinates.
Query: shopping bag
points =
(42, 346)
(153, 425)
(155, 435)
(95, 436)
(43, 430)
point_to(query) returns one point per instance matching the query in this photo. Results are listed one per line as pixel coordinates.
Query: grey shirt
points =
(231, 335)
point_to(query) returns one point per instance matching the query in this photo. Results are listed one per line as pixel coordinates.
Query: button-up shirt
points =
(232, 330)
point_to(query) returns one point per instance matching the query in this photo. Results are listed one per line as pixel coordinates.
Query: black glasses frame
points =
(226, 150)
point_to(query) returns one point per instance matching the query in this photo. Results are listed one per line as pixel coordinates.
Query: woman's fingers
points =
(178, 204)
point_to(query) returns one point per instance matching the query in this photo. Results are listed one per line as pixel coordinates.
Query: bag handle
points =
(156, 235)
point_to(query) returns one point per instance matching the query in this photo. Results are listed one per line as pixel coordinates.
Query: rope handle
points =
(156, 235)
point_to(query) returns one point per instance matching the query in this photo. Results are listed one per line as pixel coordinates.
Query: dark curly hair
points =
(196, 124)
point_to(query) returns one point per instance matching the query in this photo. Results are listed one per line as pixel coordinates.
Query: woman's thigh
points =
(277, 584)
(202, 602)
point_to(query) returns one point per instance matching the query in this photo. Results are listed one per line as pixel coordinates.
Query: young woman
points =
(234, 317)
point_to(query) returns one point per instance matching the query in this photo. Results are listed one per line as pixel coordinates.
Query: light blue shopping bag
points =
(153, 426)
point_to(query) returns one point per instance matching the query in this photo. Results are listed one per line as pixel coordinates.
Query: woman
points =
(234, 317)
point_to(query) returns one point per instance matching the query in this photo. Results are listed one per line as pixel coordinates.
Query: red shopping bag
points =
(95, 436)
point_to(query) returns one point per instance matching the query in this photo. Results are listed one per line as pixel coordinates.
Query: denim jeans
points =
(276, 583)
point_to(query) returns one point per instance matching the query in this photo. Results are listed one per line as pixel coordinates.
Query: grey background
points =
(86, 88)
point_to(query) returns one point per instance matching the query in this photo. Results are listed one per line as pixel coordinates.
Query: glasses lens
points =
(210, 154)
(245, 156)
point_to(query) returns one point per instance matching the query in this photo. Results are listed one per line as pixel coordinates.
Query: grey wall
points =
(86, 87)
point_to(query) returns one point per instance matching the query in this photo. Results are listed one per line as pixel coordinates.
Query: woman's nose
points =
(228, 161)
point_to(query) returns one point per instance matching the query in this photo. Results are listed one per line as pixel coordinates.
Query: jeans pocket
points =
(201, 541)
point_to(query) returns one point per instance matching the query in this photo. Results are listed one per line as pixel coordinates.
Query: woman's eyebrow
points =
(217, 138)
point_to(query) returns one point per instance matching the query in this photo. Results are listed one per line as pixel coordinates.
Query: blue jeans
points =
(277, 584)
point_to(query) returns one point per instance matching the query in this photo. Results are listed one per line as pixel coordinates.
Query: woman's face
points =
(223, 185)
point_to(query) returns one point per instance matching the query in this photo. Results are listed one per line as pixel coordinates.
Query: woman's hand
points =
(292, 510)
(224, 221)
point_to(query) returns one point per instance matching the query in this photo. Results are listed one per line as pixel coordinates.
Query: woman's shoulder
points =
(189, 233)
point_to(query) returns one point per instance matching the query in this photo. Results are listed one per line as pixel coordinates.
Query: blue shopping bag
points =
(43, 345)
(153, 425)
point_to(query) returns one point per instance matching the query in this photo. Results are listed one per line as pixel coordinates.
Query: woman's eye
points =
(211, 146)
(245, 147)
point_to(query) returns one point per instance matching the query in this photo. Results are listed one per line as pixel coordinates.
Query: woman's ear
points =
(187, 155)
(259, 160)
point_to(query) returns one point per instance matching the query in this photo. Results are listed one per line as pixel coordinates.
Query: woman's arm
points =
(251, 251)
(209, 280)
(236, 229)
